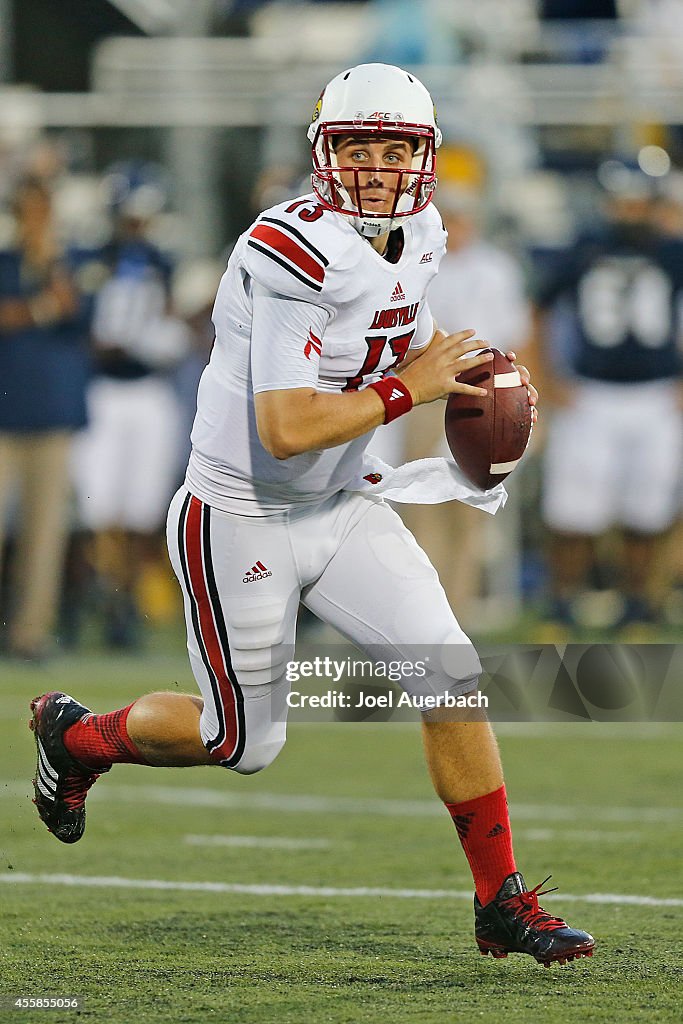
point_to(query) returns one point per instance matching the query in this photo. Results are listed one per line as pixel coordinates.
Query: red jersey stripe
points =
(290, 249)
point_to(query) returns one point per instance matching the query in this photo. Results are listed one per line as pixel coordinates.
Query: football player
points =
(613, 323)
(322, 335)
(125, 465)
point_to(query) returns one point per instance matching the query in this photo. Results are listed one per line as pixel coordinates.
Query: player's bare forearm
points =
(303, 420)
(299, 420)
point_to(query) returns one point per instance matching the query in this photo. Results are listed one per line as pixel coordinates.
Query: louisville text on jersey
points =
(399, 316)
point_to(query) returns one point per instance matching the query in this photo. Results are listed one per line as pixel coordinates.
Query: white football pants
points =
(125, 463)
(351, 561)
(613, 458)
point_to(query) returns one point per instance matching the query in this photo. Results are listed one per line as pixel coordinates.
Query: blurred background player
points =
(43, 374)
(615, 445)
(194, 290)
(479, 285)
(126, 463)
(668, 219)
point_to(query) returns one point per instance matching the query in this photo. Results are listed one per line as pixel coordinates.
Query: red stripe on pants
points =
(207, 626)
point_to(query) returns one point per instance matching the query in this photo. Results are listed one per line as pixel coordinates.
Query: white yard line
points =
(533, 835)
(260, 842)
(540, 835)
(116, 882)
(306, 803)
(309, 803)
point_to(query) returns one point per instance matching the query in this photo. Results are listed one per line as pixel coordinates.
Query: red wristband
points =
(395, 395)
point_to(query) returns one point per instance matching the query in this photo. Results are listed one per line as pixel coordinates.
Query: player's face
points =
(368, 170)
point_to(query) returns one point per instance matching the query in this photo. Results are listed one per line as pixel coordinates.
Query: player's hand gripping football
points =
(526, 379)
(433, 374)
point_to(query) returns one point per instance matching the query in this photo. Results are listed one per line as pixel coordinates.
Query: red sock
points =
(484, 830)
(99, 741)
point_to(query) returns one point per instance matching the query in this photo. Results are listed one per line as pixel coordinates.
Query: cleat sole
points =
(501, 953)
(497, 952)
(566, 957)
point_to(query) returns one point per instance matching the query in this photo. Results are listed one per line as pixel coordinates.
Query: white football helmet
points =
(382, 100)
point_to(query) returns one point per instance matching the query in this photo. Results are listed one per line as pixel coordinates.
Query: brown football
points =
(487, 435)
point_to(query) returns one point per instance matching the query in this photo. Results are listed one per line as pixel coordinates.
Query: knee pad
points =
(261, 638)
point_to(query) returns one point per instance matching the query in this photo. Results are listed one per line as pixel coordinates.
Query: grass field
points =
(346, 808)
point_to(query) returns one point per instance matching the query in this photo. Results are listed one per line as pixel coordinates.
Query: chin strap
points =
(368, 227)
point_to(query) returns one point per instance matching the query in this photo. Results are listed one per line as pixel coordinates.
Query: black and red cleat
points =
(61, 783)
(513, 922)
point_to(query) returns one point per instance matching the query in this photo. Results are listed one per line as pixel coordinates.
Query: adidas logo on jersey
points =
(257, 572)
(398, 295)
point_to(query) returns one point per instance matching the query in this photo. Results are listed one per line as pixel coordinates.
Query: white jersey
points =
(305, 302)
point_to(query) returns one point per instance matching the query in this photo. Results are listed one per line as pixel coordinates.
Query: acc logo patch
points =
(378, 115)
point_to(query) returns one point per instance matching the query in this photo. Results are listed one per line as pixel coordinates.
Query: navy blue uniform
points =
(614, 450)
(43, 369)
(620, 301)
(141, 276)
